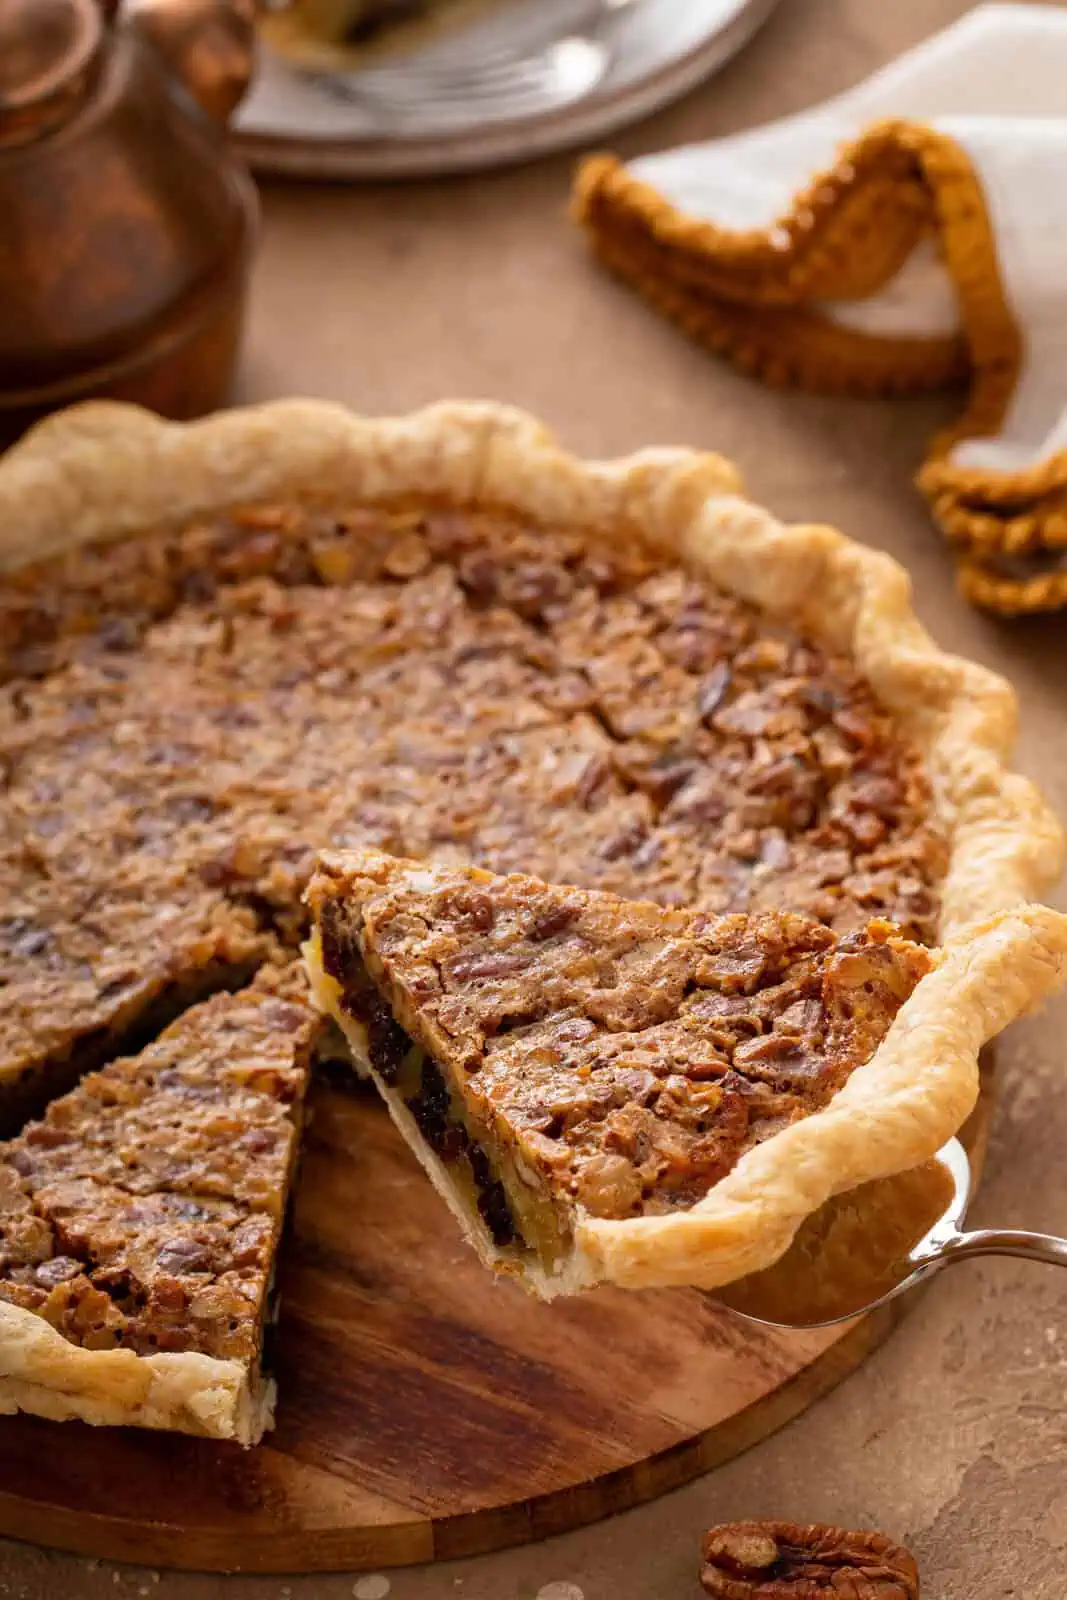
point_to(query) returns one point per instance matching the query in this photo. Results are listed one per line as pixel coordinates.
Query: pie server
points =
(872, 1245)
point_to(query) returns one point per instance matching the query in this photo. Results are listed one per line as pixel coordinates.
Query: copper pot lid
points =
(48, 50)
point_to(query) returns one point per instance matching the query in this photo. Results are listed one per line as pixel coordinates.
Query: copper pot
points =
(125, 223)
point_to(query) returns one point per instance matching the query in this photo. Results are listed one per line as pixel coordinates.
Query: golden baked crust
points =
(444, 683)
(42, 1373)
(102, 471)
(892, 1114)
(105, 472)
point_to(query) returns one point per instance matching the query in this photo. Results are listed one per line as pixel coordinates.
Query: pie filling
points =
(26, 1091)
(144, 1211)
(445, 1127)
(187, 718)
(596, 1058)
(509, 1215)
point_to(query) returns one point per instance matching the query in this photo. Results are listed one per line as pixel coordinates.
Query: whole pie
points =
(227, 646)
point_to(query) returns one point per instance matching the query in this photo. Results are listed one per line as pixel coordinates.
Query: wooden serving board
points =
(427, 1412)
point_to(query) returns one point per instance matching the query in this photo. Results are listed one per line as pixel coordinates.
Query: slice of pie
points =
(355, 21)
(341, 35)
(568, 1064)
(140, 1220)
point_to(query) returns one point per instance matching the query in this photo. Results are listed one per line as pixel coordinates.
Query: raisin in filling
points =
(408, 1071)
(432, 1109)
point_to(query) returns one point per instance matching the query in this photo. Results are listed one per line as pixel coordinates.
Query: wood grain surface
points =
(427, 1411)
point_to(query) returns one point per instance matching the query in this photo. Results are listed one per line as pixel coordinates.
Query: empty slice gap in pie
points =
(54, 1042)
(140, 1221)
(555, 1055)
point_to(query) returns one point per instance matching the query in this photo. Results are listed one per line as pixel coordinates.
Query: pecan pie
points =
(139, 1222)
(558, 1055)
(227, 646)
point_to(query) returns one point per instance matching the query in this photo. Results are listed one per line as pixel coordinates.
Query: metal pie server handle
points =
(870, 1246)
(1043, 1247)
(1002, 1242)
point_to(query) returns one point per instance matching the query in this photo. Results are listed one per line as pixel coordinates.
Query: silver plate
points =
(524, 79)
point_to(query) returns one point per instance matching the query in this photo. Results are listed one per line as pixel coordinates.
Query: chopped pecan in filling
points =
(186, 718)
(144, 1211)
(563, 1051)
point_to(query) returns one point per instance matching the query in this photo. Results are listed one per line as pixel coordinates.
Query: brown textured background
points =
(953, 1437)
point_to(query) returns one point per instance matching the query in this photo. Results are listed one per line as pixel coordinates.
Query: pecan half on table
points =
(787, 1561)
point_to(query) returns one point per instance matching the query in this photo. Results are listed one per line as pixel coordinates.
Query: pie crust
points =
(106, 470)
(43, 1373)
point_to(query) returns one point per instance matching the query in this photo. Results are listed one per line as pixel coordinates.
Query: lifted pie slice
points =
(140, 1219)
(578, 1073)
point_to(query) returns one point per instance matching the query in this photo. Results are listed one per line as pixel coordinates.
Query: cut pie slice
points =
(333, 35)
(352, 21)
(578, 1073)
(140, 1220)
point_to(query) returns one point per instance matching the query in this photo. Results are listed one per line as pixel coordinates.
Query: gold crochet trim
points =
(754, 297)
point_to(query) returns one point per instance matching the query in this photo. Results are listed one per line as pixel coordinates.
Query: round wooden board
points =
(427, 1412)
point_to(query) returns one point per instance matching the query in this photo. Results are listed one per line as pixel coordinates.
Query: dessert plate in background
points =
(523, 78)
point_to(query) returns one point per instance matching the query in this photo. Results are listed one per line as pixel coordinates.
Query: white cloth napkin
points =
(994, 88)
